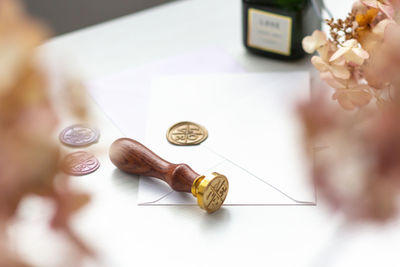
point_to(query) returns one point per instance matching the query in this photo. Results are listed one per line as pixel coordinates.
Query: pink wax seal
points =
(80, 163)
(79, 135)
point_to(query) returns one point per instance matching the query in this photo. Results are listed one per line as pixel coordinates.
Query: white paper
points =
(124, 96)
(254, 136)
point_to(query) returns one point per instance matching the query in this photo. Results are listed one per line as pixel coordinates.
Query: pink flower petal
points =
(339, 62)
(379, 29)
(308, 44)
(341, 72)
(370, 3)
(351, 43)
(360, 52)
(392, 34)
(331, 80)
(358, 7)
(313, 42)
(342, 51)
(320, 37)
(350, 99)
(324, 52)
(319, 64)
(343, 100)
(386, 9)
(360, 98)
(352, 57)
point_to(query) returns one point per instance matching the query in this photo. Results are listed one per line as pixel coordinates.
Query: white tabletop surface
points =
(128, 235)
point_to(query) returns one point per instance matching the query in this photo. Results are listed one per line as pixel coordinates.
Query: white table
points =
(128, 235)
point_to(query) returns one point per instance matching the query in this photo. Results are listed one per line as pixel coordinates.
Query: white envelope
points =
(254, 136)
(124, 96)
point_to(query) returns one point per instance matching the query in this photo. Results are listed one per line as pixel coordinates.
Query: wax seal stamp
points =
(210, 191)
(79, 163)
(133, 157)
(79, 135)
(186, 133)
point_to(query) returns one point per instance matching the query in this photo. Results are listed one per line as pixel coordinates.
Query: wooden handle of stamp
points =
(131, 156)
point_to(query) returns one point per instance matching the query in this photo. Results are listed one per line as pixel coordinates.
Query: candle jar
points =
(276, 28)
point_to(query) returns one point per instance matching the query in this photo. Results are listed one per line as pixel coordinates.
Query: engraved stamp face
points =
(186, 134)
(215, 193)
(79, 136)
(80, 163)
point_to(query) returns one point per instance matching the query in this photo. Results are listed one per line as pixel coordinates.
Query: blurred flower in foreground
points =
(359, 58)
(357, 164)
(29, 154)
(357, 147)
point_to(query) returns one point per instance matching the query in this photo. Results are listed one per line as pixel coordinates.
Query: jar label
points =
(270, 32)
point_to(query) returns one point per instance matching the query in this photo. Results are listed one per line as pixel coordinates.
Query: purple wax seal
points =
(79, 163)
(79, 135)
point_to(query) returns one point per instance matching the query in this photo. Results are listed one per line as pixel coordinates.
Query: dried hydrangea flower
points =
(29, 156)
(352, 52)
(337, 68)
(317, 40)
(359, 173)
(382, 5)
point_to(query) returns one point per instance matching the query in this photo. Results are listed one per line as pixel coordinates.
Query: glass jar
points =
(276, 28)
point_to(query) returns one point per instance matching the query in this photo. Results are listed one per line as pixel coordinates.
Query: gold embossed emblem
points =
(186, 134)
(211, 191)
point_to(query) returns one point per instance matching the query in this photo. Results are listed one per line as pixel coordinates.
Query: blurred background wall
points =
(69, 15)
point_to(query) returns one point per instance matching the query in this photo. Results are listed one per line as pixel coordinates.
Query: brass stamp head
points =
(186, 133)
(211, 191)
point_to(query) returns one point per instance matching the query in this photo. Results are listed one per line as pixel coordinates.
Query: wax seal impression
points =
(186, 134)
(211, 191)
(79, 135)
(79, 163)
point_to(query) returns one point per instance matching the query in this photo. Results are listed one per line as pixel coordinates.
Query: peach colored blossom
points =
(337, 67)
(383, 5)
(380, 28)
(314, 42)
(352, 52)
(353, 96)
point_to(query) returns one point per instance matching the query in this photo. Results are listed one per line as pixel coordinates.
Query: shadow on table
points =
(217, 220)
(207, 221)
(125, 181)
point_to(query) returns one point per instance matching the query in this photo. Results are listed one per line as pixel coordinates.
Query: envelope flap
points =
(250, 121)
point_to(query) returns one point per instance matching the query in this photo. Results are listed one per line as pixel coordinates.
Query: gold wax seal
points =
(211, 191)
(186, 133)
